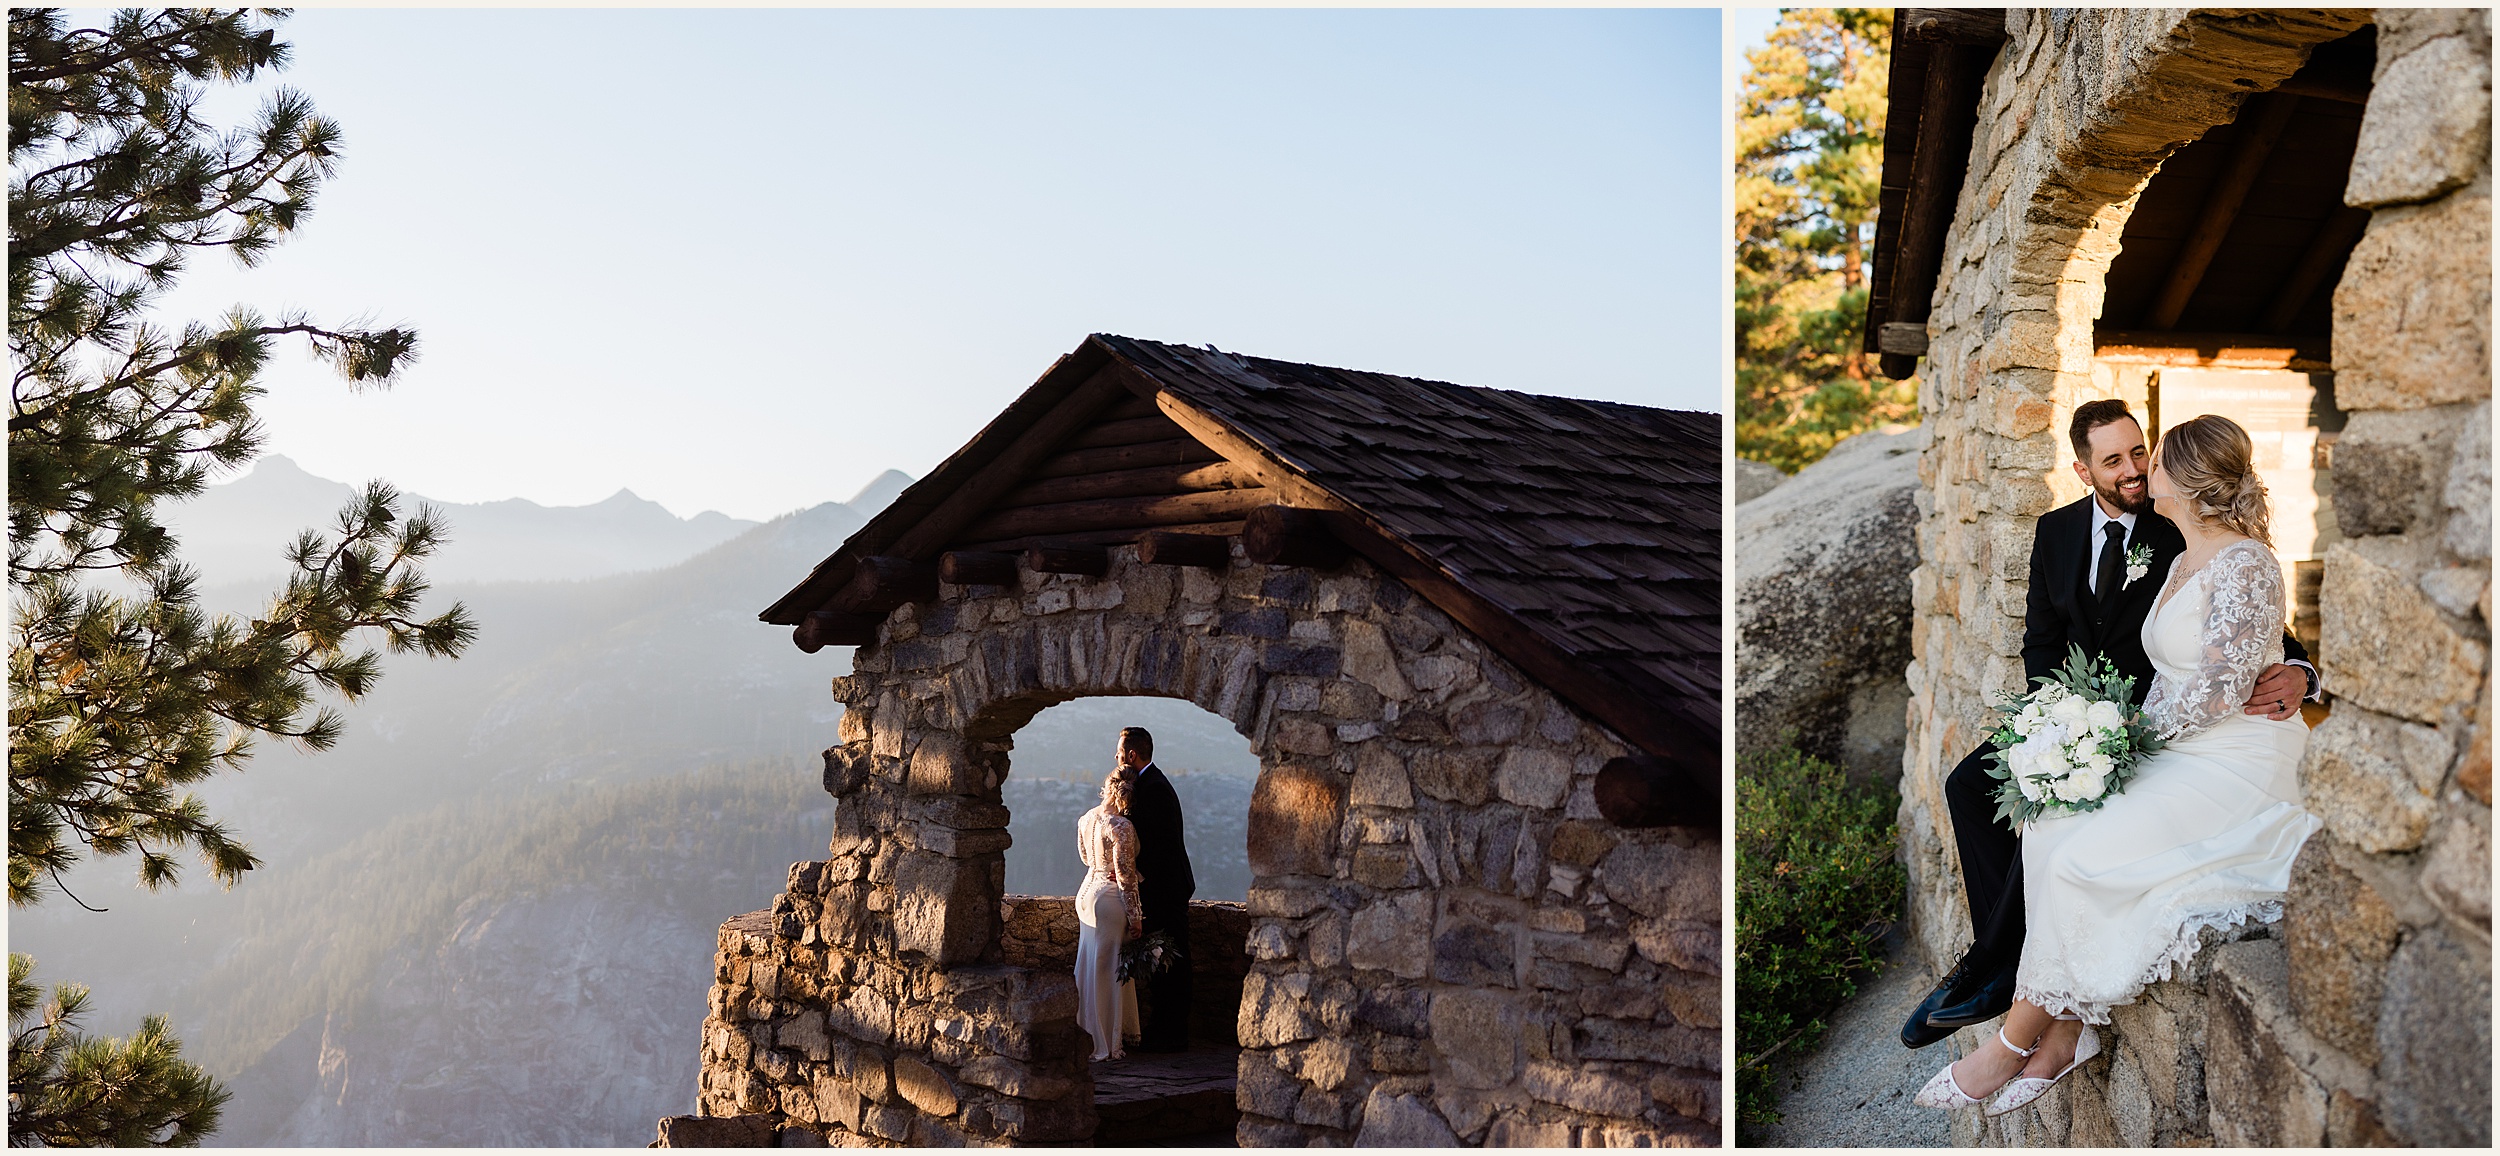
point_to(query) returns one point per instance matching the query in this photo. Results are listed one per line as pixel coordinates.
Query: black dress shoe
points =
(1990, 1000)
(1916, 1032)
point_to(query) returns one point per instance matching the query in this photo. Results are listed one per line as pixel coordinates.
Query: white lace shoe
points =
(1942, 1092)
(2022, 1091)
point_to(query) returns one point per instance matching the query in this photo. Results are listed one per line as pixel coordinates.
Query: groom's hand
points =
(2279, 691)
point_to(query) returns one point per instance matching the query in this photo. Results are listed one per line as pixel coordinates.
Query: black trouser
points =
(1165, 994)
(1992, 867)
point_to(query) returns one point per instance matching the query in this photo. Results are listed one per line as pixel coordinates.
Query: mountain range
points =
(486, 916)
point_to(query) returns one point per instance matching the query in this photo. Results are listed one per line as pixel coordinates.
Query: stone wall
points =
(1039, 932)
(2366, 1015)
(1448, 942)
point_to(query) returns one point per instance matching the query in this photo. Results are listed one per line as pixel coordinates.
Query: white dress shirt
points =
(2092, 555)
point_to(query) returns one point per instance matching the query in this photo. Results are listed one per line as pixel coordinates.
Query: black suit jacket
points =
(1162, 853)
(2060, 610)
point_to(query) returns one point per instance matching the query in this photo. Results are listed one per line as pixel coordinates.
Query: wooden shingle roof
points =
(1579, 538)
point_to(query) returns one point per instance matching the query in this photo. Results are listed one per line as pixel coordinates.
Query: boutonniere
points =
(2139, 563)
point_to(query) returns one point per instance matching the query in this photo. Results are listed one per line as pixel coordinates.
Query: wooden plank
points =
(2212, 350)
(1142, 512)
(1177, 451)
(2334, 242)
(1009, 469)
(1178, 478)
(1127, 432)
(2222, 206)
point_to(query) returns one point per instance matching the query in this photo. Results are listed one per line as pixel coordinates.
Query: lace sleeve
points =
(1124, 860)
(2243, 635)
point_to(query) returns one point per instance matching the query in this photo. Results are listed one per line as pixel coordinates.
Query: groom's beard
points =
(2114, 496)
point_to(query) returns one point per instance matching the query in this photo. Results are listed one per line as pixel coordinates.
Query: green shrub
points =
(1816, 888)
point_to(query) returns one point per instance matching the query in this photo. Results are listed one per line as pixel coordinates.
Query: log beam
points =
(1180, 478)
(1659, 791)
(1979, 27)
(824, 628)
(1090, 561)
(1103, 459)
(1126, 432)
(1947, 113)
(1285, 536)
(982, 491)
(2212, 350)
(1120, 537)
(1140, 512)
(1904, 338)
(883, 582)
(977, 568)
(2334, 242)
(2222, 206)
(1162, 548)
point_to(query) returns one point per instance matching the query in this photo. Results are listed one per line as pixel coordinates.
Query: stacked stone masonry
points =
(2364, 1017)
(1445, 941)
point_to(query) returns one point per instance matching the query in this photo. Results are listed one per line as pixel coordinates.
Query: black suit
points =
(1163, 889)
(2060, 612)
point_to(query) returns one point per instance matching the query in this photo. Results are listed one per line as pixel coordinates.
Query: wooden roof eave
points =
(917, 521)
(1939, 62)
(1654, 718)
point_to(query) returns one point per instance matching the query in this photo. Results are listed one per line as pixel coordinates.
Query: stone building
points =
(2283, 215)
(1472, 636)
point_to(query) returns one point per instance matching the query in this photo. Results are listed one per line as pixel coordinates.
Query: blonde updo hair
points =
(2208, 460)
(1116, 788)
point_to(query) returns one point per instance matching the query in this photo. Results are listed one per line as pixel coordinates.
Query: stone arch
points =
(2078, 114)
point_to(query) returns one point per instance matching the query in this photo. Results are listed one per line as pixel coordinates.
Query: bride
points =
(1107, 914)
(2205, 834)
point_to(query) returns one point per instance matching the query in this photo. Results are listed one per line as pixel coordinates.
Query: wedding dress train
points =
(1108, 845)
(2205, 834)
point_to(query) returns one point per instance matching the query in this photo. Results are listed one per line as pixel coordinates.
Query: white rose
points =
(2064, 789)
(2088, 784)
(2105, 716)
(2071, 710)
(2030, 785)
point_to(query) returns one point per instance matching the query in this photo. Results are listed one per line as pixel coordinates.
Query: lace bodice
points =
(1108, 845)
(2211, 638)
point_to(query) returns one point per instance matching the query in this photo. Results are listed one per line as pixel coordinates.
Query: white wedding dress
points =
(1105, 1007)
(2205, 833)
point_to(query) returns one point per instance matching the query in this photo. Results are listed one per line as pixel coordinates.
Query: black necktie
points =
(2113, 551)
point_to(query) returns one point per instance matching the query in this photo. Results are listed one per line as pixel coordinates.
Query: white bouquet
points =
(2070, 744)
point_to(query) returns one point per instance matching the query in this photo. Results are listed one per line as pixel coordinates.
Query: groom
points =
(1164, 887)
(2097, 566)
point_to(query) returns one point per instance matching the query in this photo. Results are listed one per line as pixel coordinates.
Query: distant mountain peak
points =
(879, 491)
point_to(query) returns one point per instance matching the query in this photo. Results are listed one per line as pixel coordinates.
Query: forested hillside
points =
(487, 915)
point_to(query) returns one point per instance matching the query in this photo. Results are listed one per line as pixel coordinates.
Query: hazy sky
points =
(747, 260)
